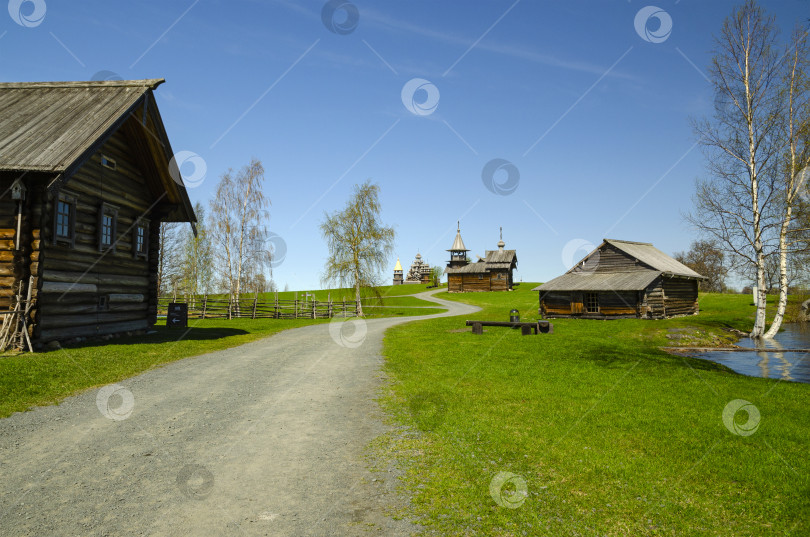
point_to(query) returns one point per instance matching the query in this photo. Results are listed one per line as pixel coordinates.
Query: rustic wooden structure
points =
(493, 272)
(419, 271)
(398, 273)
(253, 308)
(85, 182)
(622, 279)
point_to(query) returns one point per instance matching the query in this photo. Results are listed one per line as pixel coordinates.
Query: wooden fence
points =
(206, 307)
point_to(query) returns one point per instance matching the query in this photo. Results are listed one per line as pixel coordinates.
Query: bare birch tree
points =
(794, 165)
(237, 226)
(359, 244)
(169, 272)
(197, 269)
(742, 144)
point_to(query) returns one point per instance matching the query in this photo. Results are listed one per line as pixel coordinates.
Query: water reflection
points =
(780, 361)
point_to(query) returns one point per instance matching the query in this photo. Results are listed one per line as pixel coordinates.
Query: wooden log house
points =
(493, 272)
(622, 279)
(85, 182)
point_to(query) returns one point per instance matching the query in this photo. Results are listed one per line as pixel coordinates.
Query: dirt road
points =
(263, 439)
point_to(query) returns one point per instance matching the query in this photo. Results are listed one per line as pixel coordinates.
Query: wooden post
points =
(275, 308)
(255, 301)
(329, 305)
(205, 305)
(314, 305)
(478, 328)
(344, 308)
(230, 310)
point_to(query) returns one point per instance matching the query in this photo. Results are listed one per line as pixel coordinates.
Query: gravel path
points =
(263, 439)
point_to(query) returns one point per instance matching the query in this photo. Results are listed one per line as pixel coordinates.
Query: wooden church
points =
(493, 272)
(418, 273)
(86, 179)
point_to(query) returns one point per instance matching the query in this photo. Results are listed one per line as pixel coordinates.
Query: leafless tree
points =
(197, 256)
(743, 143)
(170, 271)
(795, 164)
(237, 226)
(359, 244)
(707, 259)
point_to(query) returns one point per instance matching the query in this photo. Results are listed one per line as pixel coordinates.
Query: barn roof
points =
(479, 267)
(500, 256)
(596, 281)
(54, 127)
(652, 256)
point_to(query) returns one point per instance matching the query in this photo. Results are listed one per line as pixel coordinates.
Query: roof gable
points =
(55, 127)
(655, 258)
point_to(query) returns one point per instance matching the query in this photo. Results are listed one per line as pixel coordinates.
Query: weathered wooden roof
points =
(652, 256)
(458, 244)
(500, 256)
(601, 281)
(54, 127)
(46, 126)
(398, 266)
(479, 267)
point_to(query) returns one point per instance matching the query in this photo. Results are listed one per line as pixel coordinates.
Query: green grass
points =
(611, 435)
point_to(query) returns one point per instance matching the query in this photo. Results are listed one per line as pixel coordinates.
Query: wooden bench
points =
(526, 328)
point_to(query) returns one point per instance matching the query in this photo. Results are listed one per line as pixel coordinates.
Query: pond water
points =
(794, 366)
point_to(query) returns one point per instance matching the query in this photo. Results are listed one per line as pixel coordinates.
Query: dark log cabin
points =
(622, 279)
(91, 162)
(492, 273)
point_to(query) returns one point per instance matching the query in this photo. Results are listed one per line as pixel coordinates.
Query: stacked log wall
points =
(681, 296)
(611, 260)
(75, 278)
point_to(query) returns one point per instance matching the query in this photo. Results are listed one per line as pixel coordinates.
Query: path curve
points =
(263, 439)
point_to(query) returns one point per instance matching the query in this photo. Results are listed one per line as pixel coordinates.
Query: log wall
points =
(611, 260)
(77, 287)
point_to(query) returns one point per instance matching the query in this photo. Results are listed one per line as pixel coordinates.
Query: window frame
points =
(69, 239)
(140, 223)
(591, 302)
(107, 210)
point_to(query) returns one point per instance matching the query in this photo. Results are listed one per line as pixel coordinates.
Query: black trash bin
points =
(514, 316)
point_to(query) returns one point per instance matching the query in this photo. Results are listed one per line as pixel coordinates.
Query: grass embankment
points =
(42, 378)
(611, 435)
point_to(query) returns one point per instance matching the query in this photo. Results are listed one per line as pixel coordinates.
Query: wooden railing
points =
(206, 307)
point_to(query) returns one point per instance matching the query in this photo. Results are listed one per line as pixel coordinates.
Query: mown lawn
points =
(42, 378)
(610, 435)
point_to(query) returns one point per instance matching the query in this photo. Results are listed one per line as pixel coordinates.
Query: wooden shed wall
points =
(72, 279)
(681, 296)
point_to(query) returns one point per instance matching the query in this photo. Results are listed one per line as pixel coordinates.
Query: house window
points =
(107, 162)
(480, 276)
(64, 222)
(591, 302)
(107, 223)
(140, 237)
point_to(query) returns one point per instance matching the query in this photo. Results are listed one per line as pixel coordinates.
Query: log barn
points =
(85, 182)
(622, 279)
(493, 272)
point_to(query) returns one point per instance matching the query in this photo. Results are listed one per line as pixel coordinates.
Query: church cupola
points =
(458, 252)
(398, 273)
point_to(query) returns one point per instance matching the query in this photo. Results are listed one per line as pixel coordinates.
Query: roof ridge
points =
(151, 83)
(628, 242)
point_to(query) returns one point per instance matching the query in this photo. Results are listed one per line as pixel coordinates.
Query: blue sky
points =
(589, 115)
